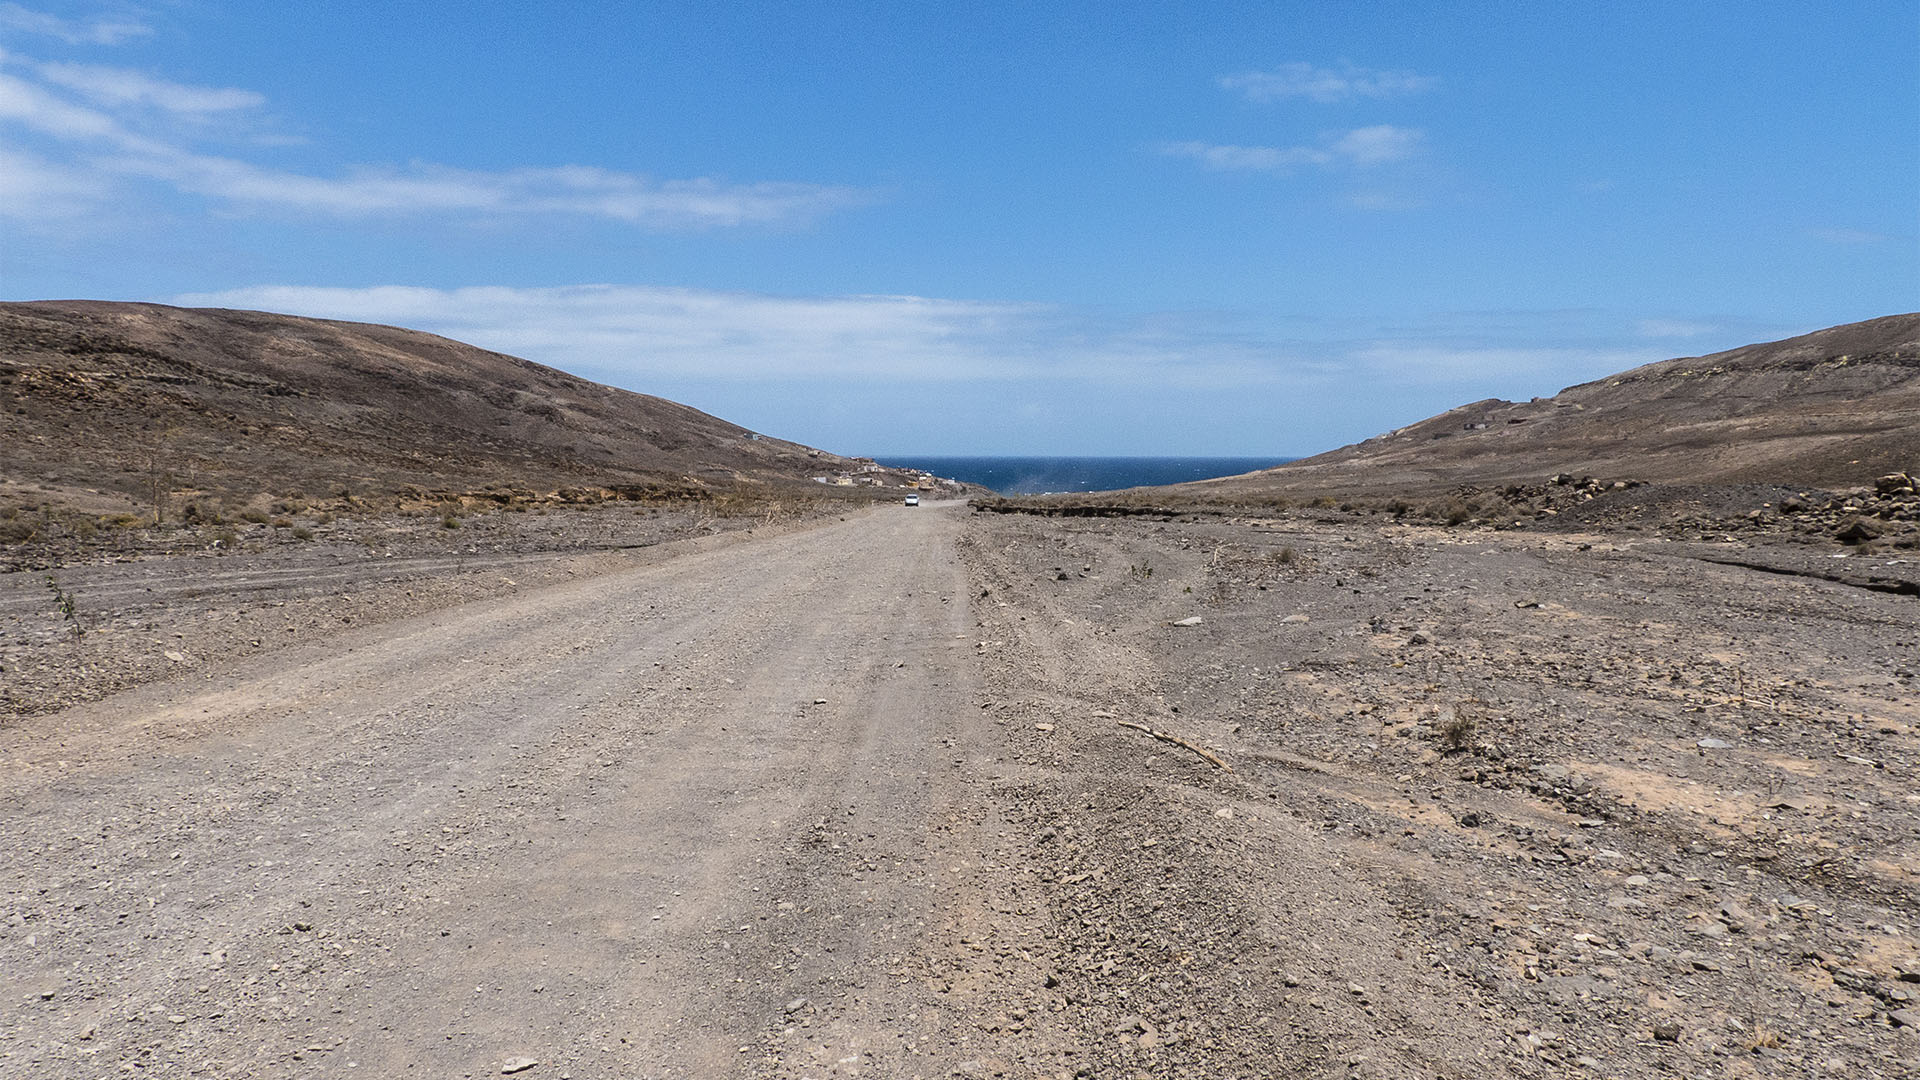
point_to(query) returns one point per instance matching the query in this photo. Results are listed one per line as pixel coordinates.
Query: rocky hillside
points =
(1832, 409)
(105, 404)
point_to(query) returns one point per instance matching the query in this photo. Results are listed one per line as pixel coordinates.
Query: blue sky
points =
(1114, 228)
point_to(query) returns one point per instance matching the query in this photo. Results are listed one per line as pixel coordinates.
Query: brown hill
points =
(102, 403)
(1834, 408)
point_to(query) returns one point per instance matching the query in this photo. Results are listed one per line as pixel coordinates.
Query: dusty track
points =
(708, 817)
(857, 799)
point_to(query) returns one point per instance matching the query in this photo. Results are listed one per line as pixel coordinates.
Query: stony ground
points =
(153, 604)
(1486, 802)
(1499, 803)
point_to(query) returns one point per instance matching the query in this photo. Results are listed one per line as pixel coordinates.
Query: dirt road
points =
(720, 815)
(861, 798)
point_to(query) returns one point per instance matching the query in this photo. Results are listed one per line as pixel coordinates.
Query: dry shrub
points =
(1456, 730)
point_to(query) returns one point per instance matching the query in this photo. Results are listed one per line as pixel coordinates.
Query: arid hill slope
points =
(121, 398)
(1833, 408)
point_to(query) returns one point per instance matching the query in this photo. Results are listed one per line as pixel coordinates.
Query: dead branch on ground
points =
(1176, 740)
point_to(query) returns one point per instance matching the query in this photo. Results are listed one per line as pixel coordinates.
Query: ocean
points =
(1038, 475)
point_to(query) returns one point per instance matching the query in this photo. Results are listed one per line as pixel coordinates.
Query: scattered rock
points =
(1857, 531)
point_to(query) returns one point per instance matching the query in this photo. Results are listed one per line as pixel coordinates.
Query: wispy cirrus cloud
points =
(1359, 148)
(108, 125)
(32, 189)
(101, 31)
(579, 191)
(119, 86)
(1378, 144)
(629, 334)
(642, 335)
(1326, 85)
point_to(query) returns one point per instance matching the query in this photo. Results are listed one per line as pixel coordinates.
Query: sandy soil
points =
(856, 798)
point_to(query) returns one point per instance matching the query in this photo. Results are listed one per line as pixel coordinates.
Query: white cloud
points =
(431, 189)
(1326, 85)
(629, 334)
(74, 32)
(34, 108)
(34, 190)
(119, 86)
(1378, 144)
(1360, 148)
(640, 336)
(120, 135)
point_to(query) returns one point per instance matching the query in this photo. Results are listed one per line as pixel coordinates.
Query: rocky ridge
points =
(1831, 409)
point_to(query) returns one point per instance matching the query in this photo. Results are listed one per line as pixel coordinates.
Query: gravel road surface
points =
(934, 793)
(711, 816)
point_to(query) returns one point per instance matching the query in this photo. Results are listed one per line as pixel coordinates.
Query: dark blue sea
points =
(1038, 475)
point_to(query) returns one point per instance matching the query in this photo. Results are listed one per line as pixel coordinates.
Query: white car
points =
(913, 500)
